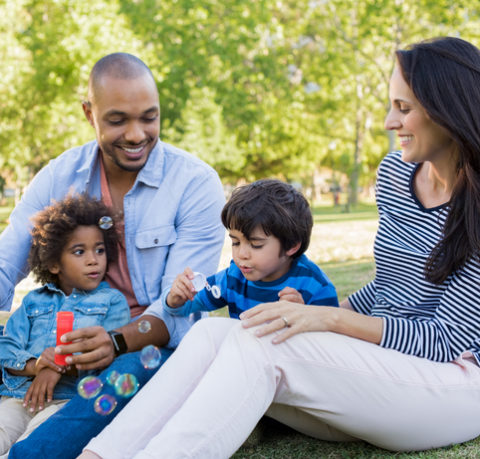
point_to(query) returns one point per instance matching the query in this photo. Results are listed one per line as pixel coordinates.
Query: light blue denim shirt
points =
(172, 220)
(32, 328)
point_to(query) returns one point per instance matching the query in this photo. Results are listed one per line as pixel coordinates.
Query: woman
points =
(396, 365)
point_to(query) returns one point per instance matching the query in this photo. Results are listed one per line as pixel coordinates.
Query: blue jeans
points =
(67, 432)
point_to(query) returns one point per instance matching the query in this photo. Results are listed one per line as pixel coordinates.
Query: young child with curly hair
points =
(72, 245)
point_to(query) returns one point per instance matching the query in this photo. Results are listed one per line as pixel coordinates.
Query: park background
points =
(257, 88)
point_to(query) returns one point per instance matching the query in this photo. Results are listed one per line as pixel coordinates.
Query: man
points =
(171, 204)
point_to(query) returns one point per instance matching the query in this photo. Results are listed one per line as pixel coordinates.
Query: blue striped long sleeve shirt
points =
(240, 294)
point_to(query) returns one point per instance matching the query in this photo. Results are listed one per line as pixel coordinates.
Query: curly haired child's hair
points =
(54, 226)
(275, 206)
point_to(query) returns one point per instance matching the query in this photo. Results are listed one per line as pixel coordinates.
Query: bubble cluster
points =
(105, 404)
(215, 290)
(144, 326)
(150, 357)
(126, 385)
(105, 223)
(89, 387)
(112, 377)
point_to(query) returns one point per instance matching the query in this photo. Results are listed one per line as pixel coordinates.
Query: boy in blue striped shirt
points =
(270, 224)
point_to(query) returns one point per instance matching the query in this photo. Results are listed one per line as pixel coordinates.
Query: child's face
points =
(259, 257)
(83, 262)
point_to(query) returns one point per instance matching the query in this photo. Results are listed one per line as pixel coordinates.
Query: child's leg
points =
(41, 416)
(14, 419)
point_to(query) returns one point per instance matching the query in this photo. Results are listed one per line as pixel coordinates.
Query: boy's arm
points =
(196, 305)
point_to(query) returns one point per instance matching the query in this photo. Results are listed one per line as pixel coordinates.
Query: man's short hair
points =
(120, 66)
(276, 207)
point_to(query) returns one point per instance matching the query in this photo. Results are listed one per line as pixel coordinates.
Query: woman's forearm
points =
(359, 326)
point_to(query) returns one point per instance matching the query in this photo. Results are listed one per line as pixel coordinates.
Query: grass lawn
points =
(342, 245)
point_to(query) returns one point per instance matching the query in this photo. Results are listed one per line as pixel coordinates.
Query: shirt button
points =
(74, 296)
(156, 241)
(54, 331)
(88, 310)
(18, 364)
(36, 312)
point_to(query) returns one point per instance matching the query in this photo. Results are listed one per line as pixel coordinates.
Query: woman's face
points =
(420, 138)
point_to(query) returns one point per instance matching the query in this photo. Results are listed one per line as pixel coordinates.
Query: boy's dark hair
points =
(54, 226)
(277, 207)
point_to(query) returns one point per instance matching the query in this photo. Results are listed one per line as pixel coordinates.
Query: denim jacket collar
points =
(53, 288)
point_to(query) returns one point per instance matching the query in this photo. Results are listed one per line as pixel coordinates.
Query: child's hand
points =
(47, 360)
(182, 289)
(292, 295)
(43, 383)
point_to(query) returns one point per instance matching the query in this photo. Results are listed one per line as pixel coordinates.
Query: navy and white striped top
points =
(240, 294)
(437, 322)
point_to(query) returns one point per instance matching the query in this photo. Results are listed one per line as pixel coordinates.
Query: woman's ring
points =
(285, 320)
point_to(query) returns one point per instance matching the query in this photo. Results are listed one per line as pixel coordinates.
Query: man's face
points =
(126, 118)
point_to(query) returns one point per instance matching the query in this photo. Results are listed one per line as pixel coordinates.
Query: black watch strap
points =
(119, 342)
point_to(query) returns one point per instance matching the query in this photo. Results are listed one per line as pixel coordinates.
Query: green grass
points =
(281, 442)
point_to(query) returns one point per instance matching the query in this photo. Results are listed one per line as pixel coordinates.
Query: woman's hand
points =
(293, 317)
(297, 318)
(42, 385)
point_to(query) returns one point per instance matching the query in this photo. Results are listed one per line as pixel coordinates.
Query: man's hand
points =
(47, 360)
(182, 289)
(95, 345)
(292, 295)
(42, 385)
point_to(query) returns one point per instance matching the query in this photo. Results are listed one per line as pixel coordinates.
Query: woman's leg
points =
(389, 399)
(165, 393)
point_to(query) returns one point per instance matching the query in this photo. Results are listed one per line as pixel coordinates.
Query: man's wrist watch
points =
(119, 342)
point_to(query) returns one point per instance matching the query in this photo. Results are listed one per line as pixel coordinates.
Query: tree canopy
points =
(254, 87)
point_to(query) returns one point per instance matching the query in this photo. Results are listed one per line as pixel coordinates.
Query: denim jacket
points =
(32, 328)
(172, 220)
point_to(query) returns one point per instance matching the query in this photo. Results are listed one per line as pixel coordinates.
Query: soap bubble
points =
(126, 385)
(144, 326)
(215, 291)
(199, 281)
(150, 357)
(112, 377)
(89, 387)
(105, 404)
(105, 223)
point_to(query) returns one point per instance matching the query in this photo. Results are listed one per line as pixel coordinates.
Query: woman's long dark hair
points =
(444, 75)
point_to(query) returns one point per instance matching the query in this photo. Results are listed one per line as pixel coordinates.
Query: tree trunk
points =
(355, 174)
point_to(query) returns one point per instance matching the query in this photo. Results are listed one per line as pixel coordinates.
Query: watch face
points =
(120, 342)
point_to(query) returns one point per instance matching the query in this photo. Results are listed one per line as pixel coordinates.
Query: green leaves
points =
(254, 87)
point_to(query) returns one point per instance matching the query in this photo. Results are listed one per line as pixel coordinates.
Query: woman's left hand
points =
(294, 318)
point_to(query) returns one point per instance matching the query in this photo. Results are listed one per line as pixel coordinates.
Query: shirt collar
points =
(91, 152)
(151, 174)
(53, 288)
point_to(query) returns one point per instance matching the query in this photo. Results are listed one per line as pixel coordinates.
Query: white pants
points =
(17, 423)
(210, 394)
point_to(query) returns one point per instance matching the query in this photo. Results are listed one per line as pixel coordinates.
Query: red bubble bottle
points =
(64, 325)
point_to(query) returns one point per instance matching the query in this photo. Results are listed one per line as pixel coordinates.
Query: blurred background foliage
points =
(254, 87)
